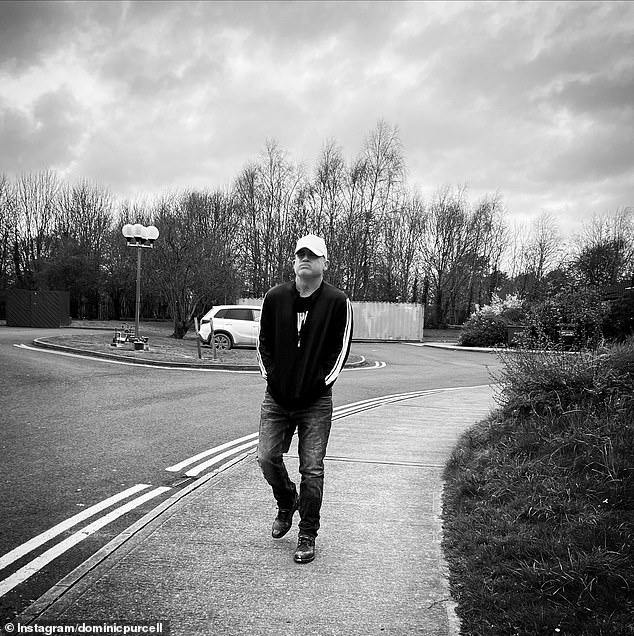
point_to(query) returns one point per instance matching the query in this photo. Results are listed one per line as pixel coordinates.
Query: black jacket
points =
(301, 367)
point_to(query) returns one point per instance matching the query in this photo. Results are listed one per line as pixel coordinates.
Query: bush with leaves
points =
(618, 323)
(579, 311)
(484, 329)
(538, 506)
(487, 326)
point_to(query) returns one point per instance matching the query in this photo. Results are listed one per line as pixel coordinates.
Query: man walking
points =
(305, 334)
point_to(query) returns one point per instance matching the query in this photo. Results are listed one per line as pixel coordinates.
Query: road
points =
(77, 431)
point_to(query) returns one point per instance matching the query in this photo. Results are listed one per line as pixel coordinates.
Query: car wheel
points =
(223, 341)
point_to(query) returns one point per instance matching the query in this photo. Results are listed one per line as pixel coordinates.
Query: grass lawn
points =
(539, 500)
(162, 347)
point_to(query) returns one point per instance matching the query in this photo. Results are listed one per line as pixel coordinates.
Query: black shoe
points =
(305, 551)
(284, 520)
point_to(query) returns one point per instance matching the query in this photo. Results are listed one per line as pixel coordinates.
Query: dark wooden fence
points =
(25, 308)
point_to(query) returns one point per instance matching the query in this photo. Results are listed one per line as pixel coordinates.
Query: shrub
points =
(618, 323)
(484, 329)
(487, 326)
(581, 311)
(539, 500)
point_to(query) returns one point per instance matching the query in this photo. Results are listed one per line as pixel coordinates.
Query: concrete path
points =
(209, 566)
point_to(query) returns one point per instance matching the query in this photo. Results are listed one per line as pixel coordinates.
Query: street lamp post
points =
(139, 236)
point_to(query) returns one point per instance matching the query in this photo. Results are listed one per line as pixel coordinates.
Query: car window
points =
(239, 314)
(256, 315)
(221, 314)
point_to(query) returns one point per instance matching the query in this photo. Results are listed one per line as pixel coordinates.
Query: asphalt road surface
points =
(77, 431)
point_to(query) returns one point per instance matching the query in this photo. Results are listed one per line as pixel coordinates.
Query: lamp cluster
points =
(140, 236)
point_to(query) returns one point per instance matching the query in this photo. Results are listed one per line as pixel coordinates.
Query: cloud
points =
(44, 138)
(28, 30)
(529, 98)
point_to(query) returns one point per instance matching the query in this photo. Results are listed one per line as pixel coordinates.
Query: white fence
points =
(380, 321)
(388, 321)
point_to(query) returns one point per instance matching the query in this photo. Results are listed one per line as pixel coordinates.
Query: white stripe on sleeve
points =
(341, 358)
(259, 357)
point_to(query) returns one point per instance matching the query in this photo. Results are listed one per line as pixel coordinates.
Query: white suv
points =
(233, 326)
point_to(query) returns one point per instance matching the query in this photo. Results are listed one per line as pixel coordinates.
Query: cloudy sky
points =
(535, 100)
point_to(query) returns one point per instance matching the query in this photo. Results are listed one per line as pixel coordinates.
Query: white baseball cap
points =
(314, 243)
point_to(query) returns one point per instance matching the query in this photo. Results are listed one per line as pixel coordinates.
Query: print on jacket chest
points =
(301, 321)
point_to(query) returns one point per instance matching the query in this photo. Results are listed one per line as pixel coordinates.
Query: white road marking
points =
(186, 462)
(57, 550)
(363, 405)
(377, 365)
(338, 412)
(126, 363)
(40, 539)
(194, 472)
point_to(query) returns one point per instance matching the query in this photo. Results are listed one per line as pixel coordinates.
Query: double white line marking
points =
(216, 459)
(247, 443)
(216, 455)
(58, 549)
(372, 403)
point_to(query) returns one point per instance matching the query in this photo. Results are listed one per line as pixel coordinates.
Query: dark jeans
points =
(277, 426)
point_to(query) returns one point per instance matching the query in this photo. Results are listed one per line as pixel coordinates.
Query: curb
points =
(497, 350)
(211, 366)
(454, 347)
(42, 344)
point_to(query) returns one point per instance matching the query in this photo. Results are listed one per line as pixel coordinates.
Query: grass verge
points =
(538, 506)
(162, 347)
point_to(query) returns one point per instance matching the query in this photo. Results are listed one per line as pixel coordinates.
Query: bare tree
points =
(512, 260)
(603, 253)
(354, 260)
(447, 243)
(324, 207)
(329, 191)
(490, 237)
(402, 234)
(192, 263)
(119, 264)
(267, 195)
(7, 231)
(375, 192)
(542, 252)
(35, 200)
(281, 183)
(85, 215)
(246, 192)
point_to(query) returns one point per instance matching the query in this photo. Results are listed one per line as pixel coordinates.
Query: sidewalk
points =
(209, 566)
